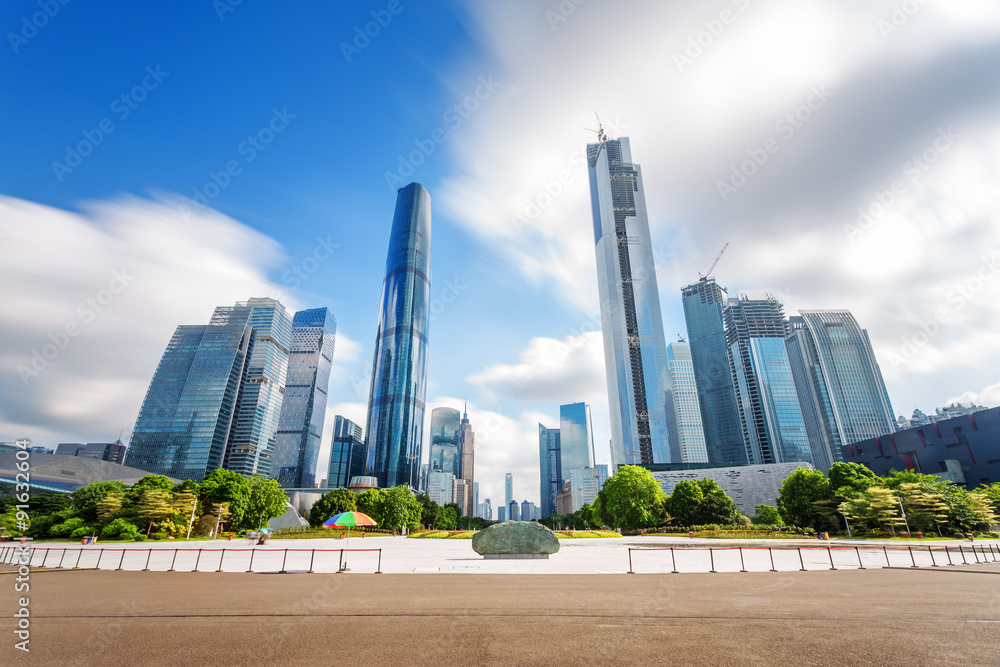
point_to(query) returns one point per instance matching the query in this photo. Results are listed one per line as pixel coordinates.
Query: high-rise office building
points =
(399, 367)
(347, 453)
(501, 514)
(703, 303)
(684, 416)
(255, 424)
(527, 511)
(514, 511)
(583, 485)
(186, 419)
(550, 468)
(839, 383)
(767, 400)
(634, 347)
(487, 510)
(461, 497)
(446, 433)
(467, 451)
(475, 497)
(303, 408)
(441, 487)
(508, 489)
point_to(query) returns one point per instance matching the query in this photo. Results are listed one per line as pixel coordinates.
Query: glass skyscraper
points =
(634, 347)
(186, 418)
(839, 383)
(300, 427)
(347, 453)
(467, 452)
(550, 469)
(767, 401)
(399, 367)
(685, 416)
(446, 433)
(703, 304)
(255, 425)
(508, 489)
(563, 450)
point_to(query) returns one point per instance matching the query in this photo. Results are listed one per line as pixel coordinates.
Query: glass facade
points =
(303, 408)
(840, 386)
(632, 325)
(508, 488)
(399, 367)
(255, 425)
(186, 418)
(446, 433)
(767, 401)
(347, 454)
(467, 451)
(576, 437)
(685, 417)
(703, 305)
(550, 469)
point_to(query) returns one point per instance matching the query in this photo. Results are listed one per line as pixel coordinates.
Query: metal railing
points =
(15, 555)
(986, 553)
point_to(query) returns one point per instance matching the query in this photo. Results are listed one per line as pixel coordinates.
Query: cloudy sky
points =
(162, 161)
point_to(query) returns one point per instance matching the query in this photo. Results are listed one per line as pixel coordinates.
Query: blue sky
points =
(512, 262)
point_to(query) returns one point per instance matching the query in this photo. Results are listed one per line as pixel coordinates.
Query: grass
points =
(443, 535)
(577, 534)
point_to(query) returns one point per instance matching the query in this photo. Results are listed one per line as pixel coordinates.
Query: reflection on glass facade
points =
(550, 469)
(576, 437)
(685, 416)
(767, 400)
(300, 427)
(634, 347)
(446, 426)
(347, 454)
(255, 425)
(399, 368)
(840, 386)
(186, 418)
(703, 304)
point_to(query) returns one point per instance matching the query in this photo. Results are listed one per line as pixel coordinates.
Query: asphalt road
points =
(876, 616)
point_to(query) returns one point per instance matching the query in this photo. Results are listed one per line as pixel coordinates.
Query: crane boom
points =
(708, 273)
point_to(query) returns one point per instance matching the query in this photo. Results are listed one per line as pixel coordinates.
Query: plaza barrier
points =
(986, 553)
(27, 554)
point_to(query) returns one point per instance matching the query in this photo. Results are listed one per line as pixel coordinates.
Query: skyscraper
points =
(685, 415)
(255, 424)
(550, 468)
(634, 347)
(446, 433)
(766, 397)
(513, 511)
(347, 453)
(303, 408)
(704, 302)
(467, 450)
(399, 366)
(441, 487)
(839, 383)
(576, 437)
(508, 488)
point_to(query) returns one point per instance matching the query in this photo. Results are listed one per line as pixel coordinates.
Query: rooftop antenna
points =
(601, 136)
(708, 273)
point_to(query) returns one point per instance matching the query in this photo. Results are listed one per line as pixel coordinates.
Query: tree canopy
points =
(631, 498)
(801, 499)
(330, 504)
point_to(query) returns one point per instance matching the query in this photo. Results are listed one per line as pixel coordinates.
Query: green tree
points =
(967, 511)
(877, 508)
(897, 478)
(185, 506)
(798, 495)
(226, 486)
(372, 502)
(109, 507)
(448, 517)
(158, 482)
(847, 480)
(267, 501)
(330, 504)
(716, 505)
(429, 511)
(631, 498)
(765, 515)
(84, 500)
(400, 509)
(154, 505)
(925, 506)
(684, 501)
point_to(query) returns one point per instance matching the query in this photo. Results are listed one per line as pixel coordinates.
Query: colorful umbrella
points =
(350, 519)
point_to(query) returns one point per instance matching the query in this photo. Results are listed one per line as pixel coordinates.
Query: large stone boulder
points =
(513, 538)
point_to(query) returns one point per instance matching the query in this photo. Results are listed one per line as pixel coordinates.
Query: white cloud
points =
(988, 396)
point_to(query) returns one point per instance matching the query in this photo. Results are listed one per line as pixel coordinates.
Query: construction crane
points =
(601, 136)
(708, 273)
(680, 338)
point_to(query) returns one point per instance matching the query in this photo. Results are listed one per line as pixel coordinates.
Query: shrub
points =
(82, 531)
(66, 528)
(157, 536)
(122, 529)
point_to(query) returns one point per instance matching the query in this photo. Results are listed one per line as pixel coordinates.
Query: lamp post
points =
(843, 510)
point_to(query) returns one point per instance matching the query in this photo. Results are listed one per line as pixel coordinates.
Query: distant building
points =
(527, 511)
(445, 437)
(550, 468)
(584, 484)
(487, 510)
(514, 511)
(748, 486)
(462, 495)
(347, 453)
(102, 451)
(467, 450)
(501, 514)
(684, 413)
(508, 487)
(441, 487)
(52, 473)
(564, 499)
(963, 449)
(939, 414)
(562, 450)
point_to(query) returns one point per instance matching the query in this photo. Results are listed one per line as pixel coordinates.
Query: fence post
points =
(98, 566)
(173, 561)
(712, 557)
(283, 559)
(196, 561)
(771, 554)
(149, 553)
(629, 560)
(861, 563)
(340, 566)
(252, 552)
(78, 555)
(673, 561)
(931, 552)
(221, 559)
(829, 552)
(914, 560)
(379, 570)
(313, 557)
(800, 560)
(743, 567)
(46, 557)
(948, 554)
(61, 557)
(121, 560)
(974, 553)
(886, 552)
(962, 551)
